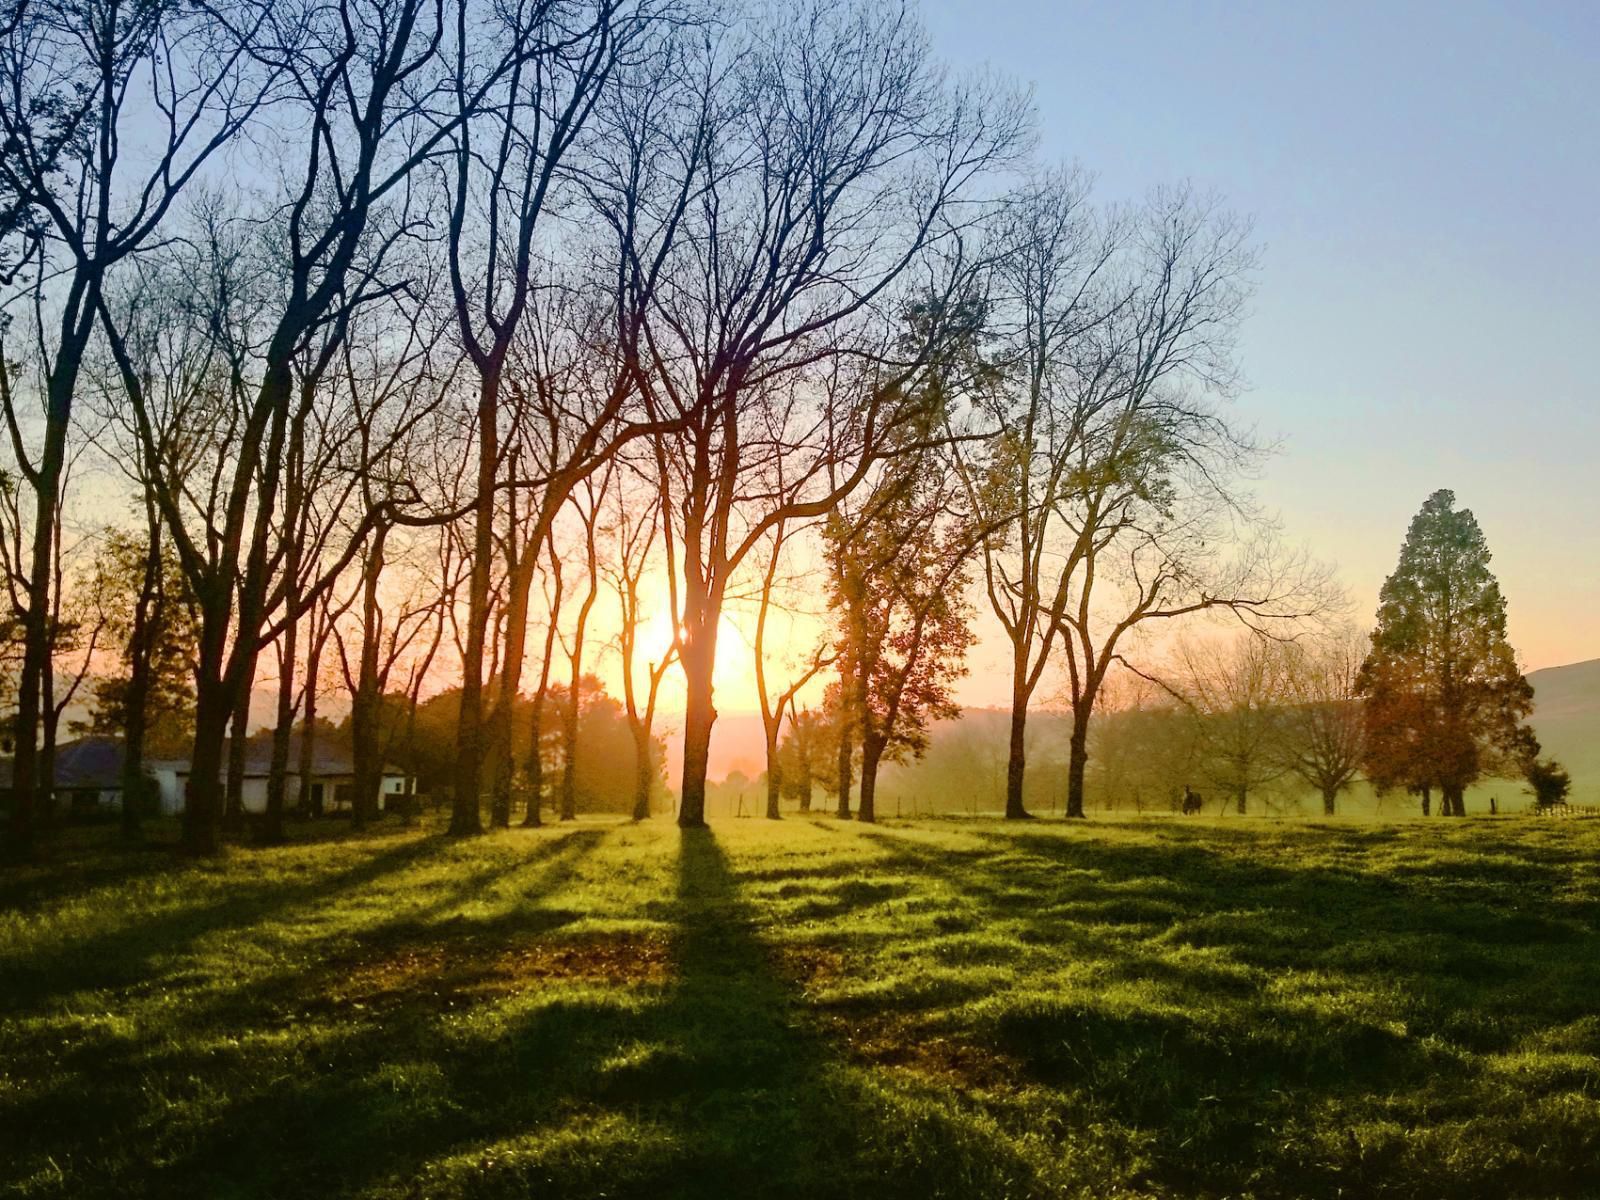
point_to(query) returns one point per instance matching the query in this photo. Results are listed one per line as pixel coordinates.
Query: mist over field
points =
(964, 770)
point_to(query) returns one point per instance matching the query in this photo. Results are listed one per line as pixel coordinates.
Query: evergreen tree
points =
(1446, 700)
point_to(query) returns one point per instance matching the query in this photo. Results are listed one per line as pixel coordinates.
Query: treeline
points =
(422, 335)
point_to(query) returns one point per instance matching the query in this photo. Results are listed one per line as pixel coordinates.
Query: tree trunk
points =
(138, 698)
(24, 764)
(51, 721)
(846, 754)
(1239, 801)
(1017, 759)
(368, 699)
(700, 714)
(202, 810)
(1077, 760)
(1454, 801)
(500, 760)
(498, 752)
(642, 775)
(27, 771)
(278, 771)
(534, 817)
(364, 745)
(774, 775)
(466, 814)
(233, 813)
(1427, 801)
(569, 755)
(871, 754)
(1330, 797)
(308, 728)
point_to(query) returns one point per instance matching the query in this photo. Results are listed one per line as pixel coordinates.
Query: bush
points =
(1548, 781)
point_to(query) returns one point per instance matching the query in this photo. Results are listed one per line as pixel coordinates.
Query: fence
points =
(1569, 811)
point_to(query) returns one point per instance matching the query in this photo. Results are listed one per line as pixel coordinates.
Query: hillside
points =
(1566, 716)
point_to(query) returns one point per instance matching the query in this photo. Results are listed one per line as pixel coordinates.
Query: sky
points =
(1425, 185)
(1424, 180)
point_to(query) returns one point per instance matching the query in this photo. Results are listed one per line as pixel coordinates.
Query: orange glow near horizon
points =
(790, 639)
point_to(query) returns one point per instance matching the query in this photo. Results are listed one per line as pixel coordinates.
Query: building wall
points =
(171, 790)
(254, 794)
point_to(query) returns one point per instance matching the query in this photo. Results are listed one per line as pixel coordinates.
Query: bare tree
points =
(637, 528)
(533, 771)
(1237, 689)
(830, 159)
(109, 110)
(508, 158)
(587, 504)
(1155, 498)
(1324, 727)
(774, 704)
(1052, 286)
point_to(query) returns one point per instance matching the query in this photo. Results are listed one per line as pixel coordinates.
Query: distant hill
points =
(1566, 716)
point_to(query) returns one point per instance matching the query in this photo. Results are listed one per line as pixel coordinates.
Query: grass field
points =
(957, 1008)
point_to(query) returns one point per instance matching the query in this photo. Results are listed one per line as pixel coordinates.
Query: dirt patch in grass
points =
(440, 976)
(808, 968)
(954, 1062)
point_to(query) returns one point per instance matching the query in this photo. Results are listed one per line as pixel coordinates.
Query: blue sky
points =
(1425, 181)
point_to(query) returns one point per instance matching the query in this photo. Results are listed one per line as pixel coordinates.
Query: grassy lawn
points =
(955, 1008)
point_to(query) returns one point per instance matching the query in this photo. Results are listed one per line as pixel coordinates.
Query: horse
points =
(1192, 801)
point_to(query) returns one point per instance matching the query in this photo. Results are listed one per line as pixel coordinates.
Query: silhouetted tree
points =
(149, 703)
(510, 151)
(1053, 286)
(1548, 780)
(830, 159)
(1150, 508)
(636, 530)
(80, 81)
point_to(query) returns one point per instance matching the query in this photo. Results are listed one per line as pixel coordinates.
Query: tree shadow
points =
(505, 1056)
(121, 953)
(1264, 992)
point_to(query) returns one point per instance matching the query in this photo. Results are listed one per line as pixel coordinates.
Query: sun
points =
(790, 638)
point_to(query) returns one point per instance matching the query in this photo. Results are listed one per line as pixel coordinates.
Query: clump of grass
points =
(944, 1008)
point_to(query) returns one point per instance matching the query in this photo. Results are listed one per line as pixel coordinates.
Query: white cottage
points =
(88, 776)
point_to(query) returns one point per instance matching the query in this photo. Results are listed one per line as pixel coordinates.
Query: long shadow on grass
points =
(86, 1090)
(326, 1077)
(704, 1083)
(762, 1103)
(1244, 1088)
(433, 947)
(121, 953)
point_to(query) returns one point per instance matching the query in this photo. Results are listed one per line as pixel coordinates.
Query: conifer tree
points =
(1446, 700)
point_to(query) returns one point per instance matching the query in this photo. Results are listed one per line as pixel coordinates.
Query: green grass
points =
(814, 1009)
